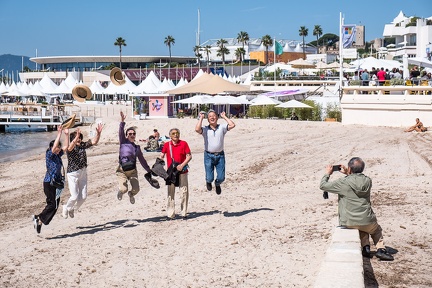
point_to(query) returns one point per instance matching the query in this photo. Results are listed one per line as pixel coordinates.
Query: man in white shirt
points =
(214, 155)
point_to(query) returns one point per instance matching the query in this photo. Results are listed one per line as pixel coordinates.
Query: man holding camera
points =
(355, 210)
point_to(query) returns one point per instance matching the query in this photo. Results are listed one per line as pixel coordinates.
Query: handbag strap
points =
(171, 154)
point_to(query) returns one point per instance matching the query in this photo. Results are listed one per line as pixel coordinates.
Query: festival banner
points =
(348, 35)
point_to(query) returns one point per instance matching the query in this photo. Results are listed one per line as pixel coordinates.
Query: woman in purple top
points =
(54, 166)
(127, 170)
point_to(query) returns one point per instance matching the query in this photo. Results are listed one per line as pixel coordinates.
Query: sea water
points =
(18, 143)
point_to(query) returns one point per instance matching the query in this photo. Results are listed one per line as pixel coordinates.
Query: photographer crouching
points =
(355, 210)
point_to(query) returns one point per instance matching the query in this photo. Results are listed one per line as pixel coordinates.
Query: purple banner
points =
(188, 73)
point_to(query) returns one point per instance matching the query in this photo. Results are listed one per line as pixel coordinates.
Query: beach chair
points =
(408, 82)
(386, 83)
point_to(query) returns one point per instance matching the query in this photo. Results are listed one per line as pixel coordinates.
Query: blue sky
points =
(90, 27)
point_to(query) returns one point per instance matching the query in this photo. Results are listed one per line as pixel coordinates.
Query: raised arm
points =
(75, 140)
(231, 124)
(66, 142)
(198, 127)
(95, 139)
(57, 140)
(122, 137)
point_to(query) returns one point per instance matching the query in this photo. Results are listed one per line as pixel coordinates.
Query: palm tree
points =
(267, 41)
(243, 37)
(169, 41)
(222, 51)
(317, 32)
(239, 53)
(207, 50)
(197, 51)
(120, 42)
(303, 32)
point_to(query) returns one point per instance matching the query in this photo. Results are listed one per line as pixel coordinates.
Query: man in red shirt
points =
(381, 74)
(177, 151)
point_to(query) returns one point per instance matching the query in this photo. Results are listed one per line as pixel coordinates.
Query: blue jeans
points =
(211, 162)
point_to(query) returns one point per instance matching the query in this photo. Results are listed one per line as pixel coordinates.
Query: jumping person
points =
(54, 166)
(77, 170)
(214, 155)
(128, 154)
(178, 157)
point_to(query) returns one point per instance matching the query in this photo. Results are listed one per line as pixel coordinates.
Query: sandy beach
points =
(270, 227)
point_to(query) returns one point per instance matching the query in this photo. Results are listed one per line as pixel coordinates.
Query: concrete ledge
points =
(343, 264)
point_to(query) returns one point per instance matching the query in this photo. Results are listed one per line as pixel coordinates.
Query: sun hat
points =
(117, 77)
(81, 93)
(70, 122)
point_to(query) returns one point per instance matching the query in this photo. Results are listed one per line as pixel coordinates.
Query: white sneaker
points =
(65, 212)
(119, 195)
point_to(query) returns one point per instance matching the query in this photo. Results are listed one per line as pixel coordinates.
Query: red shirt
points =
(179, 151)
(381, 75)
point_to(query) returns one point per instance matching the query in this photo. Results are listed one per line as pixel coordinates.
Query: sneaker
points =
(366, 251)
(119, 195)
(218, 189)
(36, 224)
(131, 198)
(209, 186)
(382, 254)
(71, 213)
(65, 212)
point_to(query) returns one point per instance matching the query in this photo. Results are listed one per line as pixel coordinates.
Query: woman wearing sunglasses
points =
(178, 157)
(128, 154)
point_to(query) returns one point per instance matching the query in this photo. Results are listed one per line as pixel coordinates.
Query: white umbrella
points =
(293, 104)
(264, 100)
(301, 63)
(422, 62)
(221, 100)
(197, 99)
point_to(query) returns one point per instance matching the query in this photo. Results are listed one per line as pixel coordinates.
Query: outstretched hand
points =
(222, 114)
(123, 116)
(99, 128)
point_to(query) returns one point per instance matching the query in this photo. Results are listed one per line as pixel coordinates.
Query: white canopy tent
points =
(293, 104)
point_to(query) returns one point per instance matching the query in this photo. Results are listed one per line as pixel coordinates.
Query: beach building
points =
(412, 35)
(255, 50)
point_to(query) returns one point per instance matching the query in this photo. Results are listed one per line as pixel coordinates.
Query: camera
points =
(325, 195)
(337, 167)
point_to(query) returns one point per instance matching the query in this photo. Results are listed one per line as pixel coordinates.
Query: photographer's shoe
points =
(382, 254)
(366, 251)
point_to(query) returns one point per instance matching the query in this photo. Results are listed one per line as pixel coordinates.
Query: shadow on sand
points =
(125, 223)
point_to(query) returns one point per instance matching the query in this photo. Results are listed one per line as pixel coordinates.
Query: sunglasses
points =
(132, 134)
(175, 133)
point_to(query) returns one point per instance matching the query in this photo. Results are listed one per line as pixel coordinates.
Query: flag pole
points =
(341, 20)
(274, 62)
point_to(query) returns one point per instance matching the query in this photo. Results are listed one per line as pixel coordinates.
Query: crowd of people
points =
(378, 76)
(353, 190)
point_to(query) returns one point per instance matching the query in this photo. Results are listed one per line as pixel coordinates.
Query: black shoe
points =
(36, 224)
(366, 251)
(184, 217)
(209, 186)
(169, 218)
(383, 255)
(218, 189)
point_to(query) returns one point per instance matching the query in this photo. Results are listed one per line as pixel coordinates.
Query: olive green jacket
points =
(353, 198)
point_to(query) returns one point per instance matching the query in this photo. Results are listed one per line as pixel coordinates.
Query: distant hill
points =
(13, 63)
